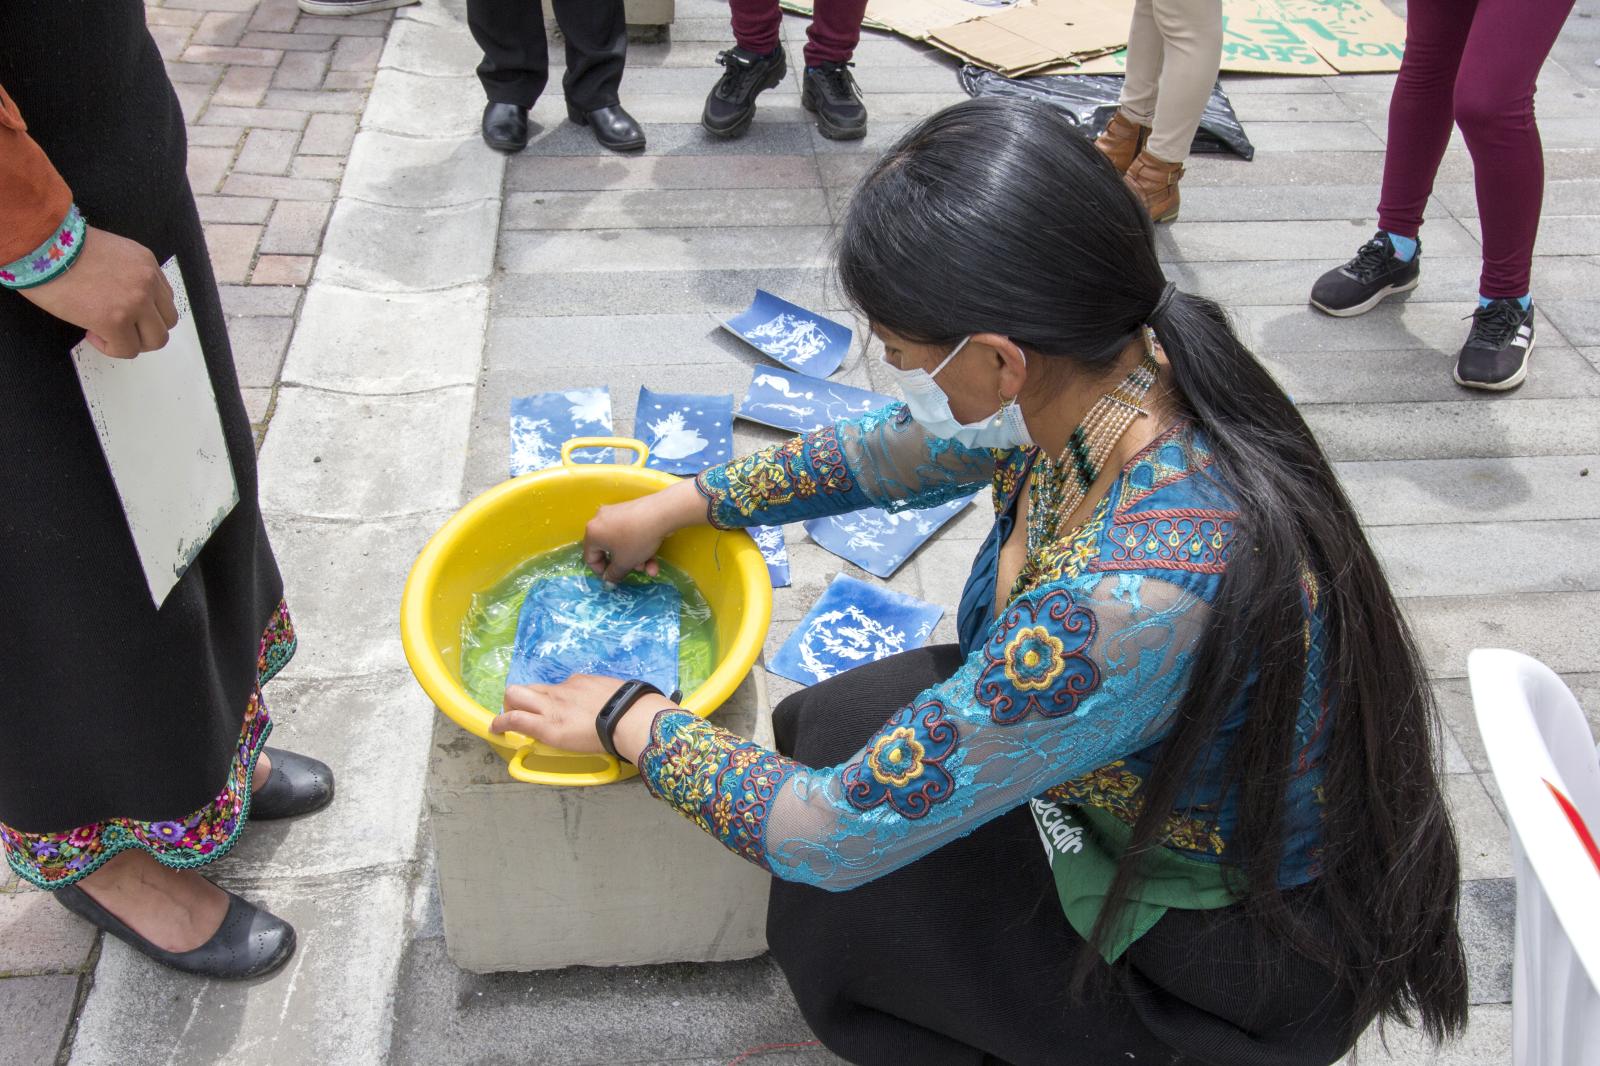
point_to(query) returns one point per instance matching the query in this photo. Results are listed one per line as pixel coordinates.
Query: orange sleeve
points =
(33, 197)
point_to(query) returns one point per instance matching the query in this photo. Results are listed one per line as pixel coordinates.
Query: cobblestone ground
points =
(385, 309)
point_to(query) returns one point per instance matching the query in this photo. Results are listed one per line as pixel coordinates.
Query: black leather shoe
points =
(298, 784)
(250, 942)
(613, 127)
(505, 127)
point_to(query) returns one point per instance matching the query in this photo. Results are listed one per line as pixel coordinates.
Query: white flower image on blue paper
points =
(854, 623)
(799, 339)
(876, 540)
(541, 424)
(801, 404)
(686, 432)
(775, 551)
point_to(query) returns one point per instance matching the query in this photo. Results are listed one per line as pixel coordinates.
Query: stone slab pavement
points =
(391, 285)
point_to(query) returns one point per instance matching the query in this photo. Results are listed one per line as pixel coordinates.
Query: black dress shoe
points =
(298, 784)
(250, 942)
(613, 127)
(505, 127)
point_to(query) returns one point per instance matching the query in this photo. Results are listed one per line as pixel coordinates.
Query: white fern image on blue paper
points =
(876, 540)
(775, 551)
(789, 339)
(799, 339)
(854, 623)
(686, 432)
(541, 424)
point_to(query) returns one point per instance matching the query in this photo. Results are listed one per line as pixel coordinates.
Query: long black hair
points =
(998, 216)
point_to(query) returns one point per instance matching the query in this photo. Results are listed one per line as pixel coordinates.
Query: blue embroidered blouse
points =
(1066, 696)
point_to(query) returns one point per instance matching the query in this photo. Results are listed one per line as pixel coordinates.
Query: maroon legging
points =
(1474, 61)
(835, 28)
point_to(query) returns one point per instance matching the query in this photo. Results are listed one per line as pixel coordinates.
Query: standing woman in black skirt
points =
(131, 736)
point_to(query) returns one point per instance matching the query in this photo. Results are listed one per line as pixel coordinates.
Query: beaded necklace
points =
(1059, 485)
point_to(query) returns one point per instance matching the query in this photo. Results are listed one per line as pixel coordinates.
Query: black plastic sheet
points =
(1091, 100)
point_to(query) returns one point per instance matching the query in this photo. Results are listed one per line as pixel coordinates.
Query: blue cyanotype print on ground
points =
(686, 432)
(574, 624)
(541, 424)
(775, 551)
(854, 623)
(801, 404)
(877, 541)
(799, 339)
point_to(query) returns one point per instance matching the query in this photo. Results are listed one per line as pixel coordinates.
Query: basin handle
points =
(638, 447)
(519, 771)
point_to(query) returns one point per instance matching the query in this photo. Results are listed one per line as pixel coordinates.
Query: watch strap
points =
(621, 701)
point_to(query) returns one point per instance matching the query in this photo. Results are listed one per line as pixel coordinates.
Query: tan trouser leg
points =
(1174, 51)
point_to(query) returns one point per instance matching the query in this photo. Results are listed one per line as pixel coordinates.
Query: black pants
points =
(964, 957)
(516, 58)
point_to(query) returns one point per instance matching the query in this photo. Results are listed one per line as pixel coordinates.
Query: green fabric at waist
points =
(1084, 844)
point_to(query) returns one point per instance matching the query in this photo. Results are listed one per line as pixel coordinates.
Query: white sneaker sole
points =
(1499, 386)
(1367, 305)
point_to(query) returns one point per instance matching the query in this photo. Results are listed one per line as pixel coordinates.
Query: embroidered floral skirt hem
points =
(55, 860)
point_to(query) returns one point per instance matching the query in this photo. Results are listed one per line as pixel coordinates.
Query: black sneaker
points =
(1359, 285)
(1496, 353)
(732, 103)
(830, 93)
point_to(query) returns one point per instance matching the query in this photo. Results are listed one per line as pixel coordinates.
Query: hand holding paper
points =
(115, 291)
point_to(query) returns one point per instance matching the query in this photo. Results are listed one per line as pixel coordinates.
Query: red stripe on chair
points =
(1579, 826)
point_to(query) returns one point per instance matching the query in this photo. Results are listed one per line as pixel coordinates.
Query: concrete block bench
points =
(536, 878)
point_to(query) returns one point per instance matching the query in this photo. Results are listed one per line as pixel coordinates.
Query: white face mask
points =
(930, 409)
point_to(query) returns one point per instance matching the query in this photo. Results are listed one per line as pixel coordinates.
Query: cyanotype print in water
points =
(575, 624)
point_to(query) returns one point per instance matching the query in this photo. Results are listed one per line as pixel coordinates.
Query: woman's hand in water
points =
(623, 537)
(563, 716)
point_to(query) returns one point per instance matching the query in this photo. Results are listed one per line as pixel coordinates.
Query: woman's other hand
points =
(623, 537)
(115, 292)
(563, 716)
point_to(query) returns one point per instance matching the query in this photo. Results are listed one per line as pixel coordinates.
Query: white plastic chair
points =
(1538, 740)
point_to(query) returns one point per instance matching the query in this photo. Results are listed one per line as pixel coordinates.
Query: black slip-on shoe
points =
(298, 784)
(613, 127)
(1495, 356)
(250, 942)
(1364, 282)
(505, 127)
(731, 104)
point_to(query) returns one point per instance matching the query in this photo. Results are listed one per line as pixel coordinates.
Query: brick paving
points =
(272, 98)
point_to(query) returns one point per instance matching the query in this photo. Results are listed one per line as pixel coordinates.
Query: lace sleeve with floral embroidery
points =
(1071, 677)
(883, 459)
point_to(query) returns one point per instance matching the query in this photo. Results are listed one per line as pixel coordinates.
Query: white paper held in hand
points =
(161, 432)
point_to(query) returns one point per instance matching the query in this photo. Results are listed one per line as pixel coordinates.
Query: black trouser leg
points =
(516, 59)
(597, 48)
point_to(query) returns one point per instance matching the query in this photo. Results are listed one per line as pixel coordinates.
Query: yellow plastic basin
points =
(540, 512)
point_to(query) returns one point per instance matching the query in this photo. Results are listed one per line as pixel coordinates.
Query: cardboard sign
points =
(1305, 37)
